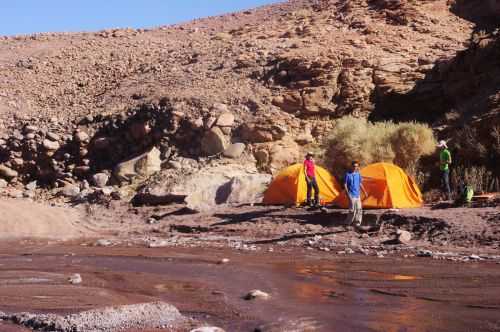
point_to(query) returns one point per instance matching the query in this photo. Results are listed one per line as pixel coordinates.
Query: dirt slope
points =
(336, 54)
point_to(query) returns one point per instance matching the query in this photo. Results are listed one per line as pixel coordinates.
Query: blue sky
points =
(31, 16)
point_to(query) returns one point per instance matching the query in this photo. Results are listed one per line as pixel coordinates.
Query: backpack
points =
(467, 194)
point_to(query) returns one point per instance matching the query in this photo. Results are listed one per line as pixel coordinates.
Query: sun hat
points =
(442, 144)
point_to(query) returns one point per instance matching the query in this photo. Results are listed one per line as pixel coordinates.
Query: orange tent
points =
(387, 186)
(290, 187)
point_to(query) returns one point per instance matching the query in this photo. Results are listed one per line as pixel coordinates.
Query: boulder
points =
(7, 173)
(403, 237)
(246, 189)
(225, 120)
(3, 183)
(81, 137)
(50, 145)
(30, 129)
(205, 189)
(100, 180)
(234, 150)
(70, 191)
(143, 165)
(257, 294)
(213, 142)
(75, 279)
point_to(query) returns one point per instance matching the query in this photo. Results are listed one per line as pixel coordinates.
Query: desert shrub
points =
(410, 141)
(478, 177)
(358, 139)
(477, 147)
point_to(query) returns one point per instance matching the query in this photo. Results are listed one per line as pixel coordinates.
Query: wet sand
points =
(310, 291)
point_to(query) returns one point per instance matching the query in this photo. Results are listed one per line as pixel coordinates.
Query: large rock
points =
(214, 142)
(225, 120)
(234, 150)
(81, 137)
(70, 191)
(144, 165)
(100, 180)
(257, 294)
(277, 155)
(247, 188)
(403, 237)
(50, 145)
(216, 185)
(7, 173)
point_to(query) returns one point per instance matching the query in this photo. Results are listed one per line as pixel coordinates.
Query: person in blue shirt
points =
(353, 185)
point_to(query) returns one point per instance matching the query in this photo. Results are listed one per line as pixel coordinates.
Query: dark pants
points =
(311, 183)
(445, 182)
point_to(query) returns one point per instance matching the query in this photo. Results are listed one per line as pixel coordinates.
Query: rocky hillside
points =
(258, 86)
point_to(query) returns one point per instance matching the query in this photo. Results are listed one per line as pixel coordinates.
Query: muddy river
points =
(310, 291)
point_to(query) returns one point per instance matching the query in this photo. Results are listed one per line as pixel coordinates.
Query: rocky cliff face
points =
(270, 78)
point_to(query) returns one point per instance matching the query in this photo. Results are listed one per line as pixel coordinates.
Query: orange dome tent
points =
(387, 186)
(289, 186)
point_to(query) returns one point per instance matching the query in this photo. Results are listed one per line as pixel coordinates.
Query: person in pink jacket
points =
(310, 172)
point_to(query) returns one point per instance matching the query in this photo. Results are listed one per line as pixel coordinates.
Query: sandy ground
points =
(25, 219)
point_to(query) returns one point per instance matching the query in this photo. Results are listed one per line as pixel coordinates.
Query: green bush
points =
(358, 139)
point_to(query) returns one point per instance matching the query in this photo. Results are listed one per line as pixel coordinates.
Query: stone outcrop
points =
(144, 165)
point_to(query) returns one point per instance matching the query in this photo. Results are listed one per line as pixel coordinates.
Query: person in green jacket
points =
(444, 166)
